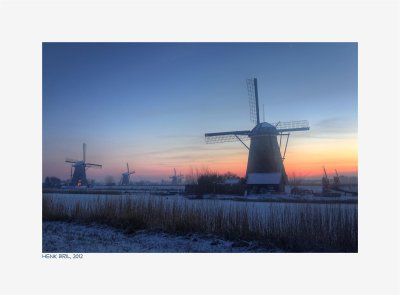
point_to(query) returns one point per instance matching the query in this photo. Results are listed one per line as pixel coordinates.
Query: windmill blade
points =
(84, 152)
(68, 160)
(253, 100)
(132, 172)
(93, 165)
(302, 125)
(226, 136)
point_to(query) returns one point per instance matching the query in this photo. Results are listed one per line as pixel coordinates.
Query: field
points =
(289, 227)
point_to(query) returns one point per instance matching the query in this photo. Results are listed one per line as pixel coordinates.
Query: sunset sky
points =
(150, 104)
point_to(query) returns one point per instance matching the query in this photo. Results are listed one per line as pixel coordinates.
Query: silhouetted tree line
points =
(52, 182)
(208, 182)
(215, 178)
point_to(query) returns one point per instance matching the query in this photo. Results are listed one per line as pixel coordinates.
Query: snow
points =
(64, 237)
(238, 200)
(282, 197)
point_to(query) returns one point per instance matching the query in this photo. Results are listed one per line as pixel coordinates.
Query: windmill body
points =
(125, 177)
(78, 177)
(265, 163)
(265, 167)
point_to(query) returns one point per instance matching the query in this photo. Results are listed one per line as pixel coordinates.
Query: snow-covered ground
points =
(64, 237)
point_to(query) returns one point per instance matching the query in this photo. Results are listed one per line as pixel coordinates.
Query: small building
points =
(258, 182)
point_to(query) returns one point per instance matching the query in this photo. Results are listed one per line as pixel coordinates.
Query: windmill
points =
(126, 175)
(176, 179)
(265, 162)
(78, 178)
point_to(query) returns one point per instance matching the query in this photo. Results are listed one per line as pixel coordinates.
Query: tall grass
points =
(294, 228)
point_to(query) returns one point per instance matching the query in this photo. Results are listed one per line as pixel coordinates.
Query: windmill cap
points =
(263, 129)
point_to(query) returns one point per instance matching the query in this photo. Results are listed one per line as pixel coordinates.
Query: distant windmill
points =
(265, 162)
(176, 179)
(126, 175)
(78, 178)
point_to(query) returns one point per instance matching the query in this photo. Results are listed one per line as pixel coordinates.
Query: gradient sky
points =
(150, 104)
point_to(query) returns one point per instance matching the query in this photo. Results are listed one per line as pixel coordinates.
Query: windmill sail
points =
(93, 165)
(68, 160)
(302, 125)
(227, 136)
(253, 100)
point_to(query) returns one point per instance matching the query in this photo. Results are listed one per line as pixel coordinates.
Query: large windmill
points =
(265, 163)
(126, 176)
(79, 176)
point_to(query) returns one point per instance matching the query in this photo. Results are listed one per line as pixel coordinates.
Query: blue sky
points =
(151, 103)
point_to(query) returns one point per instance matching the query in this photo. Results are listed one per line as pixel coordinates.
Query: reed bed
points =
(292, 228)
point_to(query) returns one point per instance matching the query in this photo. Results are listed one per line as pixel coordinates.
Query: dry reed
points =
(301, 228)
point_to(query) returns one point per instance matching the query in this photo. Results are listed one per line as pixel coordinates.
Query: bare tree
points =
(191, 177)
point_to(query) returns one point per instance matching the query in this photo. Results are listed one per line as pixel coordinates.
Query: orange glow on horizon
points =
(305, 160)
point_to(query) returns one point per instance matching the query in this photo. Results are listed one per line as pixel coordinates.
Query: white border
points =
(374, 24)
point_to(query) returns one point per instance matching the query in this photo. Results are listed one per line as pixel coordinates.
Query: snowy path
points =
(64, 237)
